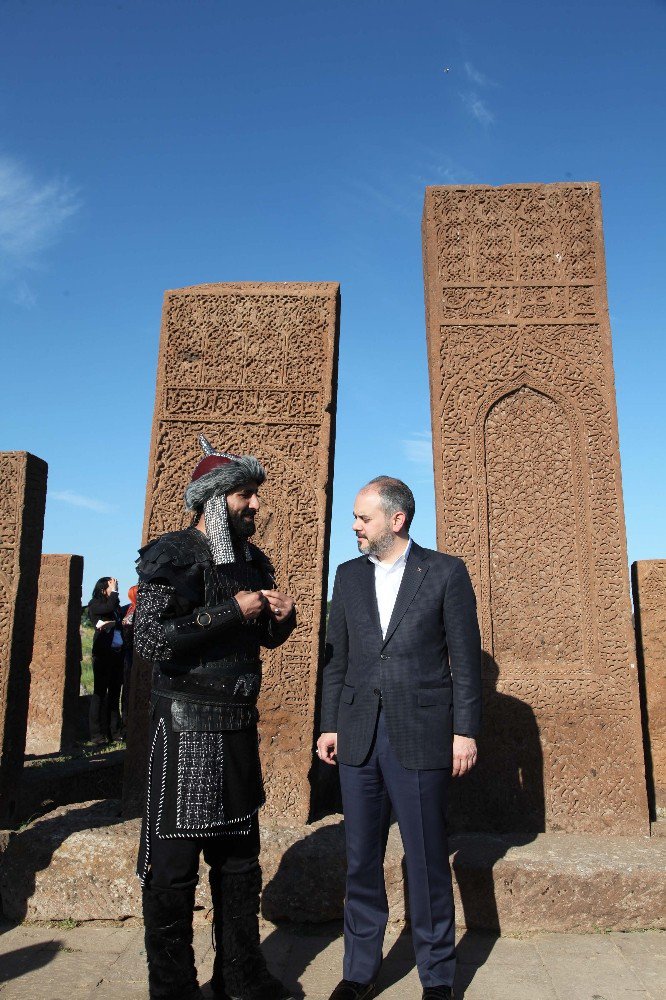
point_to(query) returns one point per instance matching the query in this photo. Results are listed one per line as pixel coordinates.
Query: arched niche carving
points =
(534, 533)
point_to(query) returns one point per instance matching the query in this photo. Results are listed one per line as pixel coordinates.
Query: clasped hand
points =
(253, 602)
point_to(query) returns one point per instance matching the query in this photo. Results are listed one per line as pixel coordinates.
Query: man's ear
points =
(399, 521)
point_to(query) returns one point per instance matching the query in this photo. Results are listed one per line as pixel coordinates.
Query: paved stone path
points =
(108, 963)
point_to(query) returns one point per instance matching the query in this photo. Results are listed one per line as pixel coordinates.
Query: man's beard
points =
(380, 546)
(242, 525)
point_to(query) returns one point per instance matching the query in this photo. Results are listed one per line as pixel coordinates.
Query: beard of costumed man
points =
(201, 619)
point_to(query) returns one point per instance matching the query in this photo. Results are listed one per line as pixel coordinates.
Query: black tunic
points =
(204, 769)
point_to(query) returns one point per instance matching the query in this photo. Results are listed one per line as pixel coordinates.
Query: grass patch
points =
(87, 633)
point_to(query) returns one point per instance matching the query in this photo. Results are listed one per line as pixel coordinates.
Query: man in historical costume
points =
(401, 708)
(207, 602)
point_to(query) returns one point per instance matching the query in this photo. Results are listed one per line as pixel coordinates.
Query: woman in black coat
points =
(107, 660)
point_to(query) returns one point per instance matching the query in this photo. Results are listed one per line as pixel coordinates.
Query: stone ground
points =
(92, 962)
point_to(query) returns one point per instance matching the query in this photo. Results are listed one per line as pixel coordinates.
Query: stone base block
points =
(77, 863)
(62, 779)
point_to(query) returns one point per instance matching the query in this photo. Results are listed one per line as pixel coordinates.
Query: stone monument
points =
(254, 367)
(22, 502)
(648, 580)
(55, 671)
(528, 493)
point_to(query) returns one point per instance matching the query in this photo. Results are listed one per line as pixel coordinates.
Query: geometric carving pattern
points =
(22, 502)
(648, 578)
(254, 367)
(528, 493)
(55, 671)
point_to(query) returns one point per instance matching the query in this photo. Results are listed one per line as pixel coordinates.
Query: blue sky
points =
(154, 144)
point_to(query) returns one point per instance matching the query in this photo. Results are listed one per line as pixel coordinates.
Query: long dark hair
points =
(100, 587)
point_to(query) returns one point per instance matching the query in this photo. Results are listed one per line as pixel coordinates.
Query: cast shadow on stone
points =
(307, 889)
(31, 850)
(500, 804)
(23, 961)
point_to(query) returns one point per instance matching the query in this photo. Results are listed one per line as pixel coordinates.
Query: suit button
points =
(376, 691)
(383, 656)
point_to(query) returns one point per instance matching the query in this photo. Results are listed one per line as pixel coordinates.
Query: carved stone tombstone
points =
(22, 502)
(648, 579)
(528, 492)
(55, 671)
(254, 367)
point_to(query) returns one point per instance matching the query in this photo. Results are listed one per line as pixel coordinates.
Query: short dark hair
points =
(395, 496)
(99, 589)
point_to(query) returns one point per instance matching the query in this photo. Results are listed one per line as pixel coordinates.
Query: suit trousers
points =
(419, 801)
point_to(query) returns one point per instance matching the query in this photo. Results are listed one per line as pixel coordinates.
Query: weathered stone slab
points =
(254, 367)
(648, 579)
(77, 863)
(22, 503)
(528, 492)
(55, 671)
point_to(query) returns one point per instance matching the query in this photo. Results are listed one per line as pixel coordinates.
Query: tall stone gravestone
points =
(55, 671)
(254, 367)
(22, 503)
(648, 581)
(528, 492)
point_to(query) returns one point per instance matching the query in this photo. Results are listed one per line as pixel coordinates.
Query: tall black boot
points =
(167, 918)
(95, 720)
(217, 980)
(239, 971)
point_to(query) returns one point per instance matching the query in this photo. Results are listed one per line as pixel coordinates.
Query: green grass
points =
(87, 633)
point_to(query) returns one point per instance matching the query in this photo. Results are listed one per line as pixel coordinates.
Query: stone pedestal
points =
(528, 492)
(22, 503)
(553, 882)
(55, 671)
(254, 367)
(648, 579)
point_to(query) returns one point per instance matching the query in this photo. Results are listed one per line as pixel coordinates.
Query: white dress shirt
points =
(388, 577)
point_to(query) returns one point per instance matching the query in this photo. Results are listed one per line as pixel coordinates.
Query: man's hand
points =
(464, 755)
(279, 604)
(251, 603)
(327, 747)
(111, 587)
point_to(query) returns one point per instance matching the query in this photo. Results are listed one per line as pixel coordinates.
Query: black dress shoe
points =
(437, 993)
(347, 990)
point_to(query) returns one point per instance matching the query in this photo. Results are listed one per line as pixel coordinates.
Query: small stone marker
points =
(648, 579)
(55, 671)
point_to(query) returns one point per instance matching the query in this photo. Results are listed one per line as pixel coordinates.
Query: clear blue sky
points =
(152, 144)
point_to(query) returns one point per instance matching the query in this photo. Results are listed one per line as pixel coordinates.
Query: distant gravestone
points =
(55, 671)
(648, 578)
(22, 502)
(528, 492)
(254, 367)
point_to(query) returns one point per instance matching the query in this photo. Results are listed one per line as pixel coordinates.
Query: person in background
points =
(107, 661)
(128, 650)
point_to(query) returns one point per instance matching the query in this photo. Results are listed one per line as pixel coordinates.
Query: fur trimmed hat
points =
(219, 473)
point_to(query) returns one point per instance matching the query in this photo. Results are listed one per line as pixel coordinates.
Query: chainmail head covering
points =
(217, 474)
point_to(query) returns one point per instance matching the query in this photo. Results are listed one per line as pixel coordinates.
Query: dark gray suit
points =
(395, 703)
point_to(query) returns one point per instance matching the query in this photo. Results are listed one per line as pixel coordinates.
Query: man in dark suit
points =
(401, 708)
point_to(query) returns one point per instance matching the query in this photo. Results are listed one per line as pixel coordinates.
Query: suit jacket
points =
(427, 670)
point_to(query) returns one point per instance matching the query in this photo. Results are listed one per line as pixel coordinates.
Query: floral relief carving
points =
(528, 486)
(22, 503)
(253, 366)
